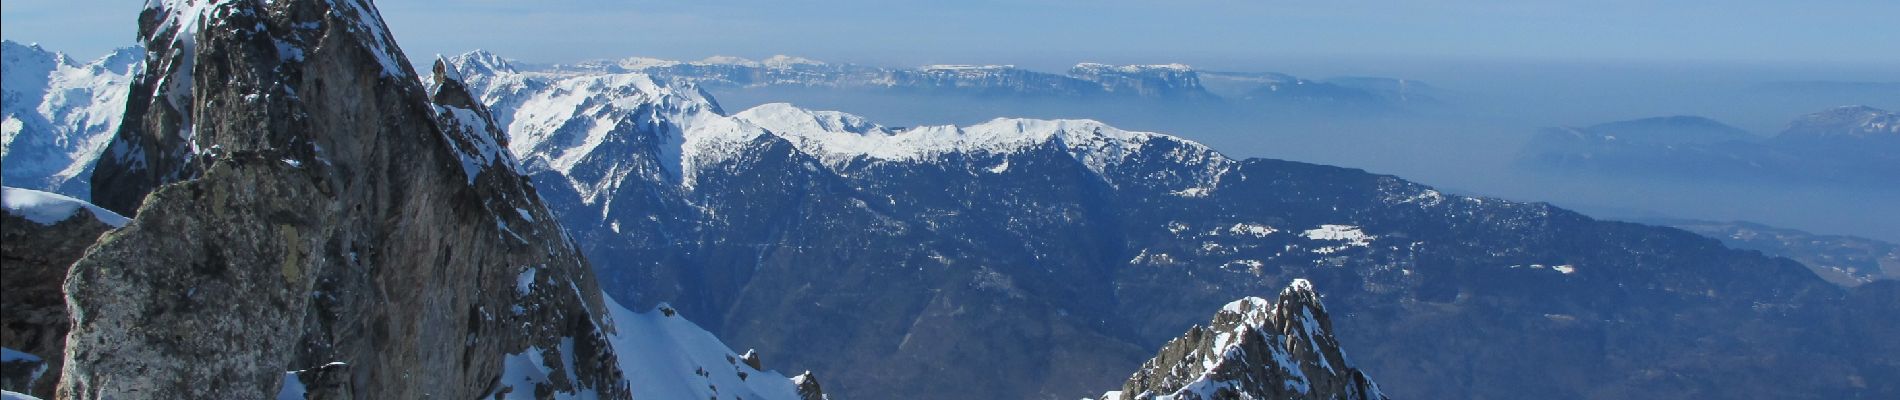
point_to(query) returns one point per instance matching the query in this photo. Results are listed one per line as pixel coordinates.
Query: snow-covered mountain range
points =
(1013, 258)
(1043, 257)
(58, 114)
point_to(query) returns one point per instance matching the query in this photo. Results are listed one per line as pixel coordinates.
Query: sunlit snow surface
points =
(51, 208)
(663, 357)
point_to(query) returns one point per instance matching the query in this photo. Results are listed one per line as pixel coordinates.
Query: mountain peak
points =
(788, 118)
(276, 201)
(838, 137)
(1301, 289)
(60, 114)
(1254, 349)
(480, 62)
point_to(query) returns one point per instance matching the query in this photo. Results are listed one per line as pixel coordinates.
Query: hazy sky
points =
(1227, 34)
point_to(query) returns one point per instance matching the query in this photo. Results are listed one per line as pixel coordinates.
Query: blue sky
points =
(1227, 34)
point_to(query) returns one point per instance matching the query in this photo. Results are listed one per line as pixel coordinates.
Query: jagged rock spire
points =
(304, 210)
(1255, 349)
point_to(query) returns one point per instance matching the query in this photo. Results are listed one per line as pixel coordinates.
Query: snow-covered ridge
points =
(838, 138)
(602, 128)
(479, 62)
(559, 119)
(663, 356)
(59, 114)
(51, 208)
(468, 128)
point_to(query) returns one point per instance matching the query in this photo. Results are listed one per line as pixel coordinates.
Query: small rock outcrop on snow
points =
(1255, 349)
(665, 356)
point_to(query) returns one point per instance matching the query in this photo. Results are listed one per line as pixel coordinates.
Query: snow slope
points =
(663, 356)
(51, 208)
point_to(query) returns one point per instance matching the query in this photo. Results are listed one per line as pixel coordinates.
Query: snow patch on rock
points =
(51, 208)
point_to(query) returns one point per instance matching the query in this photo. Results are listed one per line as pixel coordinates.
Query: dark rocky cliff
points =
(35, 251)
(303, 205)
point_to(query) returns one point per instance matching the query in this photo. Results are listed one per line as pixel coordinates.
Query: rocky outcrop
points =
(808, 388)
(305, 209)
(41, 234)
(1255, 349)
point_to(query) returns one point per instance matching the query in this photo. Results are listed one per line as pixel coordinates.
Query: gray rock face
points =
(1255, 349)
(305, 206)
(33, 319)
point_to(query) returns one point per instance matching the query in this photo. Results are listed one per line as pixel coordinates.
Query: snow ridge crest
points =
(838, 139)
